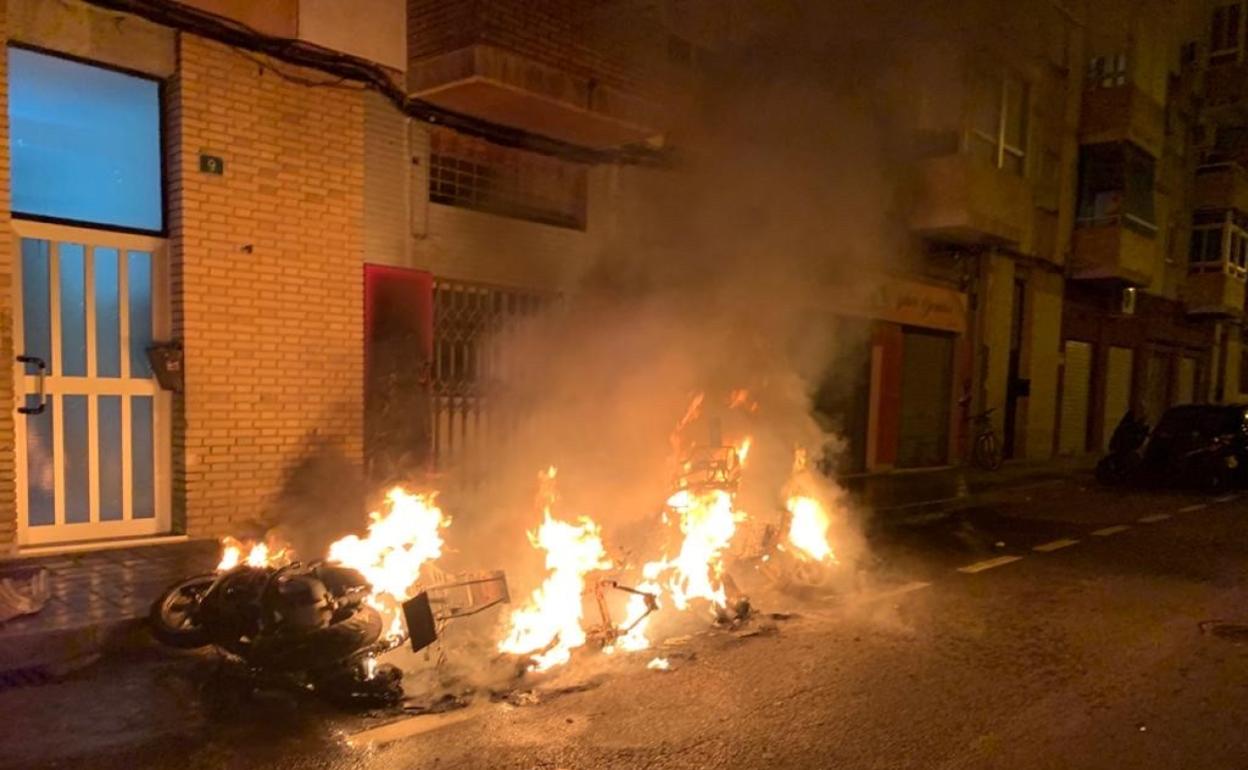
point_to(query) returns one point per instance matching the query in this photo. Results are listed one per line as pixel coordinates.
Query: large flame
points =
(708, 522)
(548, 627)
(809, 520)
(400, 540)
(808, 528)
(637, 612)
(259, 554)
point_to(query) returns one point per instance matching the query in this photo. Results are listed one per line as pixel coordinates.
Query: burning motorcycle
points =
(312, 625)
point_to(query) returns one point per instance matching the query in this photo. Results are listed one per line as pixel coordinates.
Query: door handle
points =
(42, 366)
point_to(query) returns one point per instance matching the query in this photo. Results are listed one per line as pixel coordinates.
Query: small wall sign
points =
(211, 164)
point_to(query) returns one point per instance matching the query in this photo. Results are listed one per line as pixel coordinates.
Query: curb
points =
(62, 650)
(928, 511)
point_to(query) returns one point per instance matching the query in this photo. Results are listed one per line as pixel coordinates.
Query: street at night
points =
(613, 384)
(1100, 646)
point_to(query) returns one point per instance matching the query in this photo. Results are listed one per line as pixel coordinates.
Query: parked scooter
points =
(1125, 450)
(311, 625)
(306, 624)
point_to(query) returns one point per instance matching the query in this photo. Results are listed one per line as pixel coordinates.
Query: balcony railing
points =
(1123, 113)
(960, 200)
(1120, 247)
(583, 71)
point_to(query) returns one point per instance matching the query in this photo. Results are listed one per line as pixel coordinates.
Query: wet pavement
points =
(95, 601)
(1062, 626)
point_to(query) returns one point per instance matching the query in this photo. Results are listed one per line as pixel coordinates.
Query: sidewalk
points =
(98, 600)
(899, 495)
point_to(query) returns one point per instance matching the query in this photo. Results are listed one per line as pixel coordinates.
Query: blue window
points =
(85, 143)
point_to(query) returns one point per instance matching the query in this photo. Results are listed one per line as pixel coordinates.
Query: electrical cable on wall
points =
(355, 69)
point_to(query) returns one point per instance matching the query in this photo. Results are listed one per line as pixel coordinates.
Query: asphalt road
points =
(1055, 627)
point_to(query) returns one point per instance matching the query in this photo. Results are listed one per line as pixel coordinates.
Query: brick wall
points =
(8, 483)
(467, 245)
(267, 278)
(617, 43)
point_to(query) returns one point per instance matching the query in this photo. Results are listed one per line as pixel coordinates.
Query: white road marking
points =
(1196, 507)
(406, 728)
(893, 593)
(1156, 517)
(1055, 545)
(1225, 498)
(980, 566)
(1107, 531)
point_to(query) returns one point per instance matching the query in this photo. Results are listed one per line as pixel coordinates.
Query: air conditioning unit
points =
(1126, 304)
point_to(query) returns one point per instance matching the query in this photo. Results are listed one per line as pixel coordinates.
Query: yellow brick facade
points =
(267, 278)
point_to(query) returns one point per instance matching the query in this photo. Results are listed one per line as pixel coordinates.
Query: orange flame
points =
(548, 626)
(254, 554)
(400, 540)
(809, 520)
(708, 522)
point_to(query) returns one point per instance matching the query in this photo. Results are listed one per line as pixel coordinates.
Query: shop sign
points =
(912, 303)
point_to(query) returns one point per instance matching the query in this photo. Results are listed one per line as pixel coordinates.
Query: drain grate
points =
(1236, 632)
(24, 677)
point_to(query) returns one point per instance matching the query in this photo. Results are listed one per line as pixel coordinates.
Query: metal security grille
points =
(468, 367)
(473, 174)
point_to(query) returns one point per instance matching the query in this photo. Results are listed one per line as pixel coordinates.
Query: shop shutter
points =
(1117, 390)
(1185, 391)
(926, 390)
(1076, 385)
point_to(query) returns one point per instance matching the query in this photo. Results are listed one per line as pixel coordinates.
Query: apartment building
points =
(1141, 329)
(169, 191)
(992, 209)
(1220, 195)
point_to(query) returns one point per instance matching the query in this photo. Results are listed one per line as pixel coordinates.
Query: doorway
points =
(926, 391)
(92, 424)
(1016, 386)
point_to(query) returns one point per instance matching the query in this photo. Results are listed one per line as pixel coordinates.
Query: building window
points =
(1219, 243)
(85, 143)
(1107, 71)
(998, 133)
(1116, 186)
(474, 174)
(1226, 33)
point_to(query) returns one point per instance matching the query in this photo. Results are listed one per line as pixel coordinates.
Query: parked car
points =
(1194, 444)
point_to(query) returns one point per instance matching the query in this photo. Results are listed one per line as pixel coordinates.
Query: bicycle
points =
(986, 451)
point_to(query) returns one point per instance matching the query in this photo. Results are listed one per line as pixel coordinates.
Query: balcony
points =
(371, 29)
(1117, 248)
(1226, 84)
(1122, 114)
(576, 75)
(1218, 293)
(959, 200)
(1222, 186)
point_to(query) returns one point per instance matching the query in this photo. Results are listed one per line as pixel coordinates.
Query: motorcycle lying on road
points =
(311, 625)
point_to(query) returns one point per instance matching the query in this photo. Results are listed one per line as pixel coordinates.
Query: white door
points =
(1120, 364)
(1076, 384)
(92, 423)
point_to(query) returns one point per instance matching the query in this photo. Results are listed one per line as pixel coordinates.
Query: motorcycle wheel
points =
(320, 647)
(172, 617)
(798, 576)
